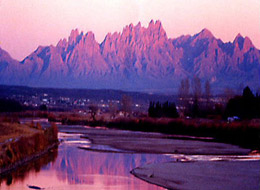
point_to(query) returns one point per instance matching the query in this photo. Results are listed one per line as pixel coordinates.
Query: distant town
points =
(104, 100)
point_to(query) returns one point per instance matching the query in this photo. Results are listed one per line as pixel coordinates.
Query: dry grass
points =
(14, 130)
(19, 142)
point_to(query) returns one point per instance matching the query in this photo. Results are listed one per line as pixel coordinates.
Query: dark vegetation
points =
(7, 105)
(93, 111)
(246, 106)
(43, 107)
(167, 109)
(198, 104)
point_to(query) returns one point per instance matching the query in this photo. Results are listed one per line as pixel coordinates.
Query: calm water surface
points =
(70, 167)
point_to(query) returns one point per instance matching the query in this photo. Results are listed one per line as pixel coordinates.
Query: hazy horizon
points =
(27, 24)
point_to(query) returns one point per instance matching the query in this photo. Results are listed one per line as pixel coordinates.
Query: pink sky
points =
(26, 24)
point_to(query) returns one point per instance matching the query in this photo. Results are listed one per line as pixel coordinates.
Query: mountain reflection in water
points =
(74, 168)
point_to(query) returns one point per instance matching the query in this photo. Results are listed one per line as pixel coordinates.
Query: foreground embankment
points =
(20, 144)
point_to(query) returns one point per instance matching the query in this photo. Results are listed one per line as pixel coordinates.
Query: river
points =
(93, 159)
(70, 167)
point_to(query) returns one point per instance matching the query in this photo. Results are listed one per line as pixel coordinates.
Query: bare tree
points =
(228, 94)
(258, 91)
(207, 92)
(184, 88)
(93, 111)
(112, 107)
(196, 86)
(240, 88)
(126, 103)
(184, 93)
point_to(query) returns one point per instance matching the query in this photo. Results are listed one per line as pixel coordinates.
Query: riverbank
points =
(243, 133)
(150, 142)
(197, 175)
(21, 143)
(195, 163)
(103, 154)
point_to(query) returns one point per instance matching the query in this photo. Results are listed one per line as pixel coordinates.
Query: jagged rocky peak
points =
(153, 24)
(242, 43)
(109, 42)
(5, 57)
(156, 26)
(180, 41)
(62, 43)
(139, 53)
(110, 36)
(3, 53)
(157, 31)
(205, 33)
(88, 41)
(131, 26)
(75, 36)
(158, 23)
(139, 25)
(89, 37)
(238, 36)
(247, 44)
(239, 41)
(39, 49)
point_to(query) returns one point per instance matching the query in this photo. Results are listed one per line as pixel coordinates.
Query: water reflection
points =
(75, 168)
(22, 173)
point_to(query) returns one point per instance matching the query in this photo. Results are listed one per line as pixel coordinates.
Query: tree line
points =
(246, 106)
(190, 93)
(167, 109)
(195, 102)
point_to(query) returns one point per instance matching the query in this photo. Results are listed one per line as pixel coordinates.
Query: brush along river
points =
(102, 159)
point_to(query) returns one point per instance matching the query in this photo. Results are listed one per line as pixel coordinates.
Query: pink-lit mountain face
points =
(139, 58)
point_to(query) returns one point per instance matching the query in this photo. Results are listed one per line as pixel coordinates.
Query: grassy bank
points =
(21, 143)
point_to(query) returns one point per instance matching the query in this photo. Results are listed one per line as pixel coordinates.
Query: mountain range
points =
(136, 59)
